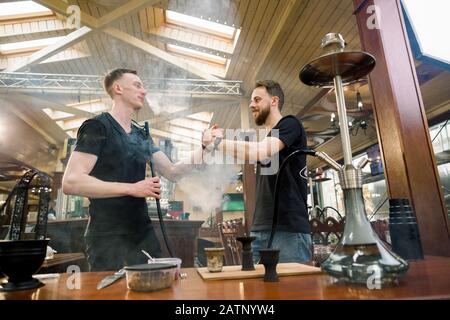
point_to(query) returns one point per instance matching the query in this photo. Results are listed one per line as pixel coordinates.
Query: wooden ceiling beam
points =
(44, 103)
(32, 123)
(90, 23)
(161, 54)
(49, 51)
(172, 35)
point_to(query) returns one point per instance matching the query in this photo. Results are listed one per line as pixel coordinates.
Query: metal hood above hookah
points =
(360, 257)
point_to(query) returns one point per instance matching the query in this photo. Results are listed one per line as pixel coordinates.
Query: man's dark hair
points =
(274, 89)
(112, 76)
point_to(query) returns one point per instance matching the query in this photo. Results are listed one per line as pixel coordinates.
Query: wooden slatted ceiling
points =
(23, 31)
(79, 50)
(198, 40)
(292, 49)
(298, 90)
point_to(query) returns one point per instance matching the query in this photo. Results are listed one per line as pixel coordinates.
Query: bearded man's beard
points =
(262, 116)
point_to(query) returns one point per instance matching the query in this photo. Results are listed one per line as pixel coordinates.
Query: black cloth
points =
(122, 157)
(293, 212)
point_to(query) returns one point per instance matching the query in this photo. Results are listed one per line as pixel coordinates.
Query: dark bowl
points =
(19, 260)
(269, 256)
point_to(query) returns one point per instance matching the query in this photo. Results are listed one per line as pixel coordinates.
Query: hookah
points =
(360, 256)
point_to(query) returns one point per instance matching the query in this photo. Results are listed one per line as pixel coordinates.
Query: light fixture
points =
(197, 54)
(359, 101)
(26, 46)
(202, 25)
(22, 9)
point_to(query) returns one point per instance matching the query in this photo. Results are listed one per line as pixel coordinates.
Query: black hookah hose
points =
(277, 189)
(158, 205)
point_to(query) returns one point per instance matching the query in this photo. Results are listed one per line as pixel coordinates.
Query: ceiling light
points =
(359, 101)
(200, 24)
(197, 54)
(25, 46)
(22, 9)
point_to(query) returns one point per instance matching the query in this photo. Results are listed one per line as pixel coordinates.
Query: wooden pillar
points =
(249, 176)
(408, 157)
(56, 184)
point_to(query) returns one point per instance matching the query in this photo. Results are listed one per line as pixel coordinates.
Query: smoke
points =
(204, 188)
(163, 104)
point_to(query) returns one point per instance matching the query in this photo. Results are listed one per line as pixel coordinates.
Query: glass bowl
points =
(150, 277)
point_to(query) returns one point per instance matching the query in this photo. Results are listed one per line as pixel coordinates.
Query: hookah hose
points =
(277, 189)
(158, 205)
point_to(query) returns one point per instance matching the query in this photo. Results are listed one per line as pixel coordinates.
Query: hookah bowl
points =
(269, 258)
(19, 260)
(247, 253)
(360, 257)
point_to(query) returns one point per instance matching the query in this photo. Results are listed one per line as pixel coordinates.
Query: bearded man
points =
(285, 135)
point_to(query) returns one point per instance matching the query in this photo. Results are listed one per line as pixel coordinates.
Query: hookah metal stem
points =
(342, 113)
(158, 204)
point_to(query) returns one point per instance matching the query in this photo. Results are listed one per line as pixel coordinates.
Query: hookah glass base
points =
(361, 257)
(364, 264)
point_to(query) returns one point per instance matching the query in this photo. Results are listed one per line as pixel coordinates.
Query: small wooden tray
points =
(235, 272)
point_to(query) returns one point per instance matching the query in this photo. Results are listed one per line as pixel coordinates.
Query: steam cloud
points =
(205, 187)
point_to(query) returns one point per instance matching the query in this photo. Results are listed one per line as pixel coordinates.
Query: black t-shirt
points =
(121, 158)
(293, 213)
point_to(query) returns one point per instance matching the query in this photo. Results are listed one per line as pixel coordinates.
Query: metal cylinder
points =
(333, 42)
(350, 177)
(343, 122)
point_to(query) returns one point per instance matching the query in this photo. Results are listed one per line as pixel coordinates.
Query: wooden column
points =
(56, 184)
(249, 176)
(408, 157)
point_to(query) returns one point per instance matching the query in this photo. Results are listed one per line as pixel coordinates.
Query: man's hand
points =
(149, 187)
(209, 135)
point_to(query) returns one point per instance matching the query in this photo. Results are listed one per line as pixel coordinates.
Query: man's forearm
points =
(90, 187)
(242, 150)
(181, 168)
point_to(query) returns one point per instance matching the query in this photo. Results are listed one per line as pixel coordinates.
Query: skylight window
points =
(22, 9)
(430, 24)
(200, 25)
(26, 46)
(197, 54)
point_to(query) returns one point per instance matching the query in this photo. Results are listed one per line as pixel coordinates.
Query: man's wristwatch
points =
(217, 141)
(212, 146)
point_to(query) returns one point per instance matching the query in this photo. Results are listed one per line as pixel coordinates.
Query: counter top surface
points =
(427, 279)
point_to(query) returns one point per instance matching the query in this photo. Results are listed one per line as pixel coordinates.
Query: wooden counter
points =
(428, 279)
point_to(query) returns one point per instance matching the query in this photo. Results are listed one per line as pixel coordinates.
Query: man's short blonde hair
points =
(112, 76)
